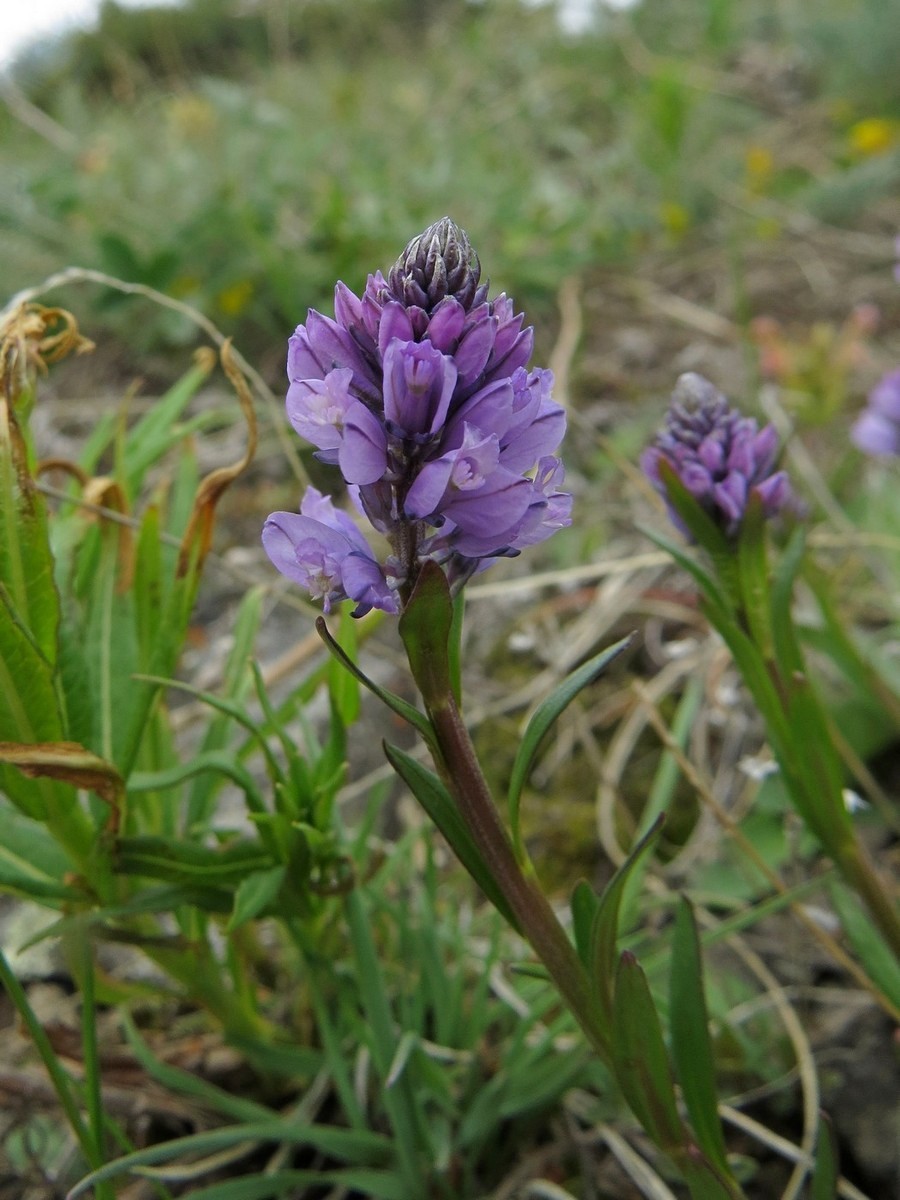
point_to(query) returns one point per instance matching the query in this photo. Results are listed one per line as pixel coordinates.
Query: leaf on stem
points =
(691, 1044)
(640, 1058)
(395, 703)
(439, 804)
(425, 628)
(597, 926)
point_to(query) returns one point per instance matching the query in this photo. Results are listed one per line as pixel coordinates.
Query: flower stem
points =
(536, 918)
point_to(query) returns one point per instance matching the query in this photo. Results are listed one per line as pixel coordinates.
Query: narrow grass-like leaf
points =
(602, 950)
(824, 1182)
(439, 804)
(691, 1044)
(187, 1083)
(379, 1185)
(355, 1146)
(191, 864)
(401, 707)
(640, 1058)
(157, 431)
(875, 955)
(254, 894)
(399, 1100)
(543, 719)
(688, 562)
(217, 762)
(62, 1084)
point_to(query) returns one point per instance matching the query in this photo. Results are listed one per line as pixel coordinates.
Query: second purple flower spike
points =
(419, 392)
(720, 456)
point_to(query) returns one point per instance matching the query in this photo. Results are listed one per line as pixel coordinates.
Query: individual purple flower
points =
(418, 390)
(321, 549)
(720, 456)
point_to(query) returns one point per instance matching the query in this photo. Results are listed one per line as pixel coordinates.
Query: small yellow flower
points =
(873, 135)
(234, 299)
(674, 218)
(759, 167)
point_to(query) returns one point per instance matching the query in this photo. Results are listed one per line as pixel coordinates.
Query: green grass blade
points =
(379, 1185)
(356, 1146)
(691, 1045)
(824, 1182)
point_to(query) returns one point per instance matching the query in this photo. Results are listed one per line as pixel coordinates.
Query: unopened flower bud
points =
(720, 456)
(439, 262)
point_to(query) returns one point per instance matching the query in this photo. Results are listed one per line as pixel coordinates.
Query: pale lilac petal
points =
(317, 408)
(363, 450)
(428, 488)
(876, 434)
(540, 437)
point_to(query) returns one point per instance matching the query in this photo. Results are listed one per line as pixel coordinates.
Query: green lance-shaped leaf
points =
(32, 863)
(185, 863)
(542, 720)
(26, 561)
(158, 429)
(597, 926)
(691, 1044)
(753, 574)
(425, 629)
(398, 705)
(439, 804)
(707, 584)
(254, 894)
(29, 710)
(874, 952)
(640, 1058)
(702, 528)
(824, 1182)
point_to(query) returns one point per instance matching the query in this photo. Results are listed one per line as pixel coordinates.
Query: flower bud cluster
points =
(720, 456)
(419, 392)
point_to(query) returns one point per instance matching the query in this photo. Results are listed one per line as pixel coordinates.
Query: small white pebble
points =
(853, 801)
(757, 768)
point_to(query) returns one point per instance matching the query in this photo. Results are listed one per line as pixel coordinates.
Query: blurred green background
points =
(241, 156)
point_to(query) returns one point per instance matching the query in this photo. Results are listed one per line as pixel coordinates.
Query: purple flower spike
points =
(418, 390)
(721, 457)
(877, 429)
